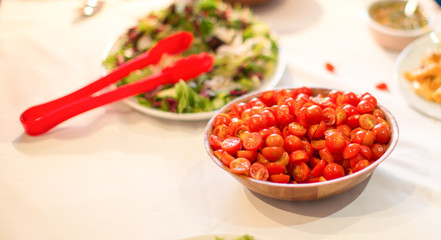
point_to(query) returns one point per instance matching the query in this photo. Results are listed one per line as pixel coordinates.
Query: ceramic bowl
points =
(304, 191)
(390, 38)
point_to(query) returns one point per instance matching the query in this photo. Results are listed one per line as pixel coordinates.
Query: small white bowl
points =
(391, 38)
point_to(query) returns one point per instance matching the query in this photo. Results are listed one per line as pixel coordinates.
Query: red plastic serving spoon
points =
(41, 118)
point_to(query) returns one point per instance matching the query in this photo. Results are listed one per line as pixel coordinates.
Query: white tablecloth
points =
(115, 173)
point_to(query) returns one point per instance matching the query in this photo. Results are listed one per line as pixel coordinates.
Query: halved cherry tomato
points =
(215, 142)
(300, 172)
(280, 178)
(351, 150)
(272, 153)
(253, 141)
(240, 166)
(297, 129)
(221, 119)
(299, 156)
(259, 171)
(226, 158)
(360, 165)
(317, 171)
(367, 121)
(231, 145)
(275, 168)
(251, 155)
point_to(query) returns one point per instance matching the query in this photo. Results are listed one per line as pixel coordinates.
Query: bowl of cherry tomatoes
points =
(303, 143)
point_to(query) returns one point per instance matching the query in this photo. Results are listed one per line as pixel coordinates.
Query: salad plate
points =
(268, 82)
(410, 58)
(248, 58)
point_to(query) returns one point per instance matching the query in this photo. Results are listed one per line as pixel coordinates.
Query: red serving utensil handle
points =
(184, 69)
(173, 44)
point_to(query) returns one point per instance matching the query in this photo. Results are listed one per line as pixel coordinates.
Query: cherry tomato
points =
(351, 150)
(368, 97)
(378, 150)
(314, 114)
(297, 129)
(367, 121)
(317, 171)
(292, 143)
(326, 155)
(340, 115)
(231, 145)
(215, 142)
(329, 116)
(335, 142)
(226, 158)
(361, 165)
(257, 122)
(253, 141)
(275, 168)
(381, 132)
(330, 67)
(240, 166)
(382, 86)
(316, 131)
(259, 171)
(239, 107)
(299, 156)
(364, 106)
(280, 178)
(274, 140)
(221, 131)
(221, 119)
(273, 153)
(300, 172)
(333, 171)
(250, 155)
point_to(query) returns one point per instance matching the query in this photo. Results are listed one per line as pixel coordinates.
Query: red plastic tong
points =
(41, 118)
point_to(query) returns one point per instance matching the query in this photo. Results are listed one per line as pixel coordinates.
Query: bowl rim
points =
(366, 171)
(387, 30)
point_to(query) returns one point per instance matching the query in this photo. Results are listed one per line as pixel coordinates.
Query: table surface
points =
(115, 173)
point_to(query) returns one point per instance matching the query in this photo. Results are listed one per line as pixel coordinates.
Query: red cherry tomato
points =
(240, 166)
(361, 165)
(231, 145)
(335, 142)
(250, 155)
(253, 141)
(274, 140)
(273, 153)
(259, 171)
(333, 171)
(275, 168)
(221, 119)
(330, 67)
(382, 133)
(382, 86)
(317, 171)
(280, 178)
(300, 172)
(298, 156)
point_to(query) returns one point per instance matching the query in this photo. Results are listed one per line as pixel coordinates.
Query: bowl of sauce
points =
(391, 27)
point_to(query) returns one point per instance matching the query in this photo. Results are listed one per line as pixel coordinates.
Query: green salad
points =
(244, 48)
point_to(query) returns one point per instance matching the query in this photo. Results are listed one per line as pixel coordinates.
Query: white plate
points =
(267, 83)
(223, 236)
(408, 59)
